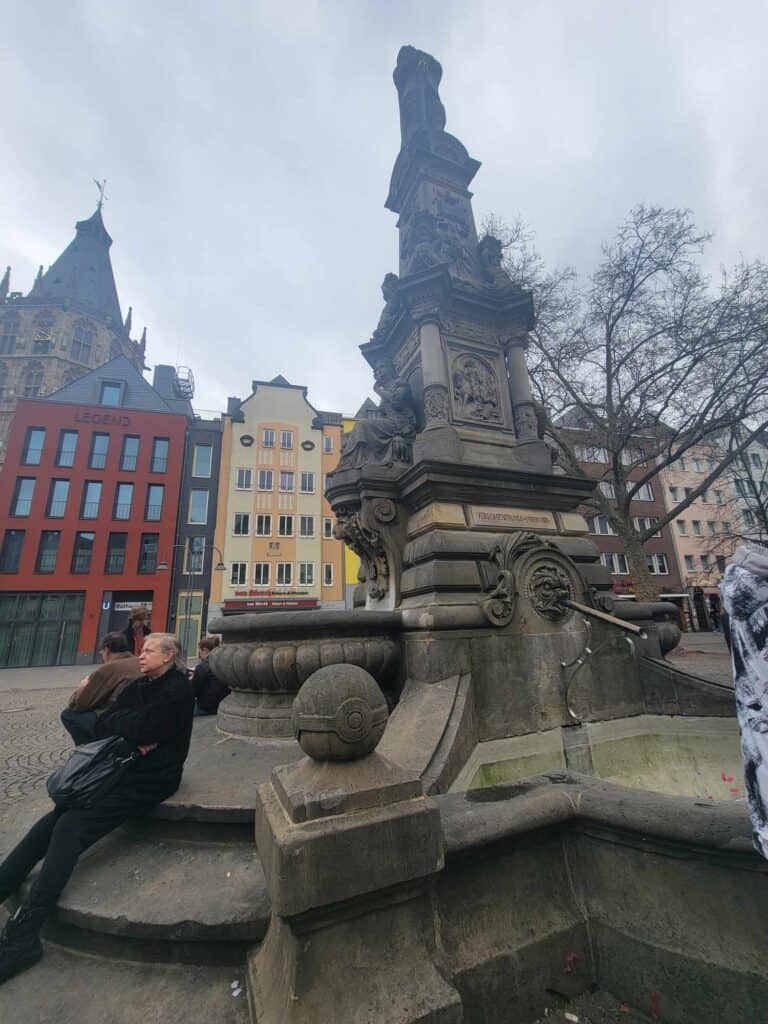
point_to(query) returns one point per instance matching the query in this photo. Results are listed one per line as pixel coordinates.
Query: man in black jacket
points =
(154, 713)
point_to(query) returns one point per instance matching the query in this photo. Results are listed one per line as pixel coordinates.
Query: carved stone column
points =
(526, 424)
(435, 376)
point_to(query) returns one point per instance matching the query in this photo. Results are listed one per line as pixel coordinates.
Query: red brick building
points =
(89, 496)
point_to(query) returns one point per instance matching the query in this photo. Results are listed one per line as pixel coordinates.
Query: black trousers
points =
(79, 724)
(58, 839)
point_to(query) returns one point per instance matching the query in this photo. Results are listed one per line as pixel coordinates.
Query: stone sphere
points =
(339, 714)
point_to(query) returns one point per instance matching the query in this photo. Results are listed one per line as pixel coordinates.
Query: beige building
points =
(274, 526)
(705, 532)
(68, 324)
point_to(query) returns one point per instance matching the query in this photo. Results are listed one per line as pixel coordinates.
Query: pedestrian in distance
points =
(101, 688)
(209, 691)
(154, 714)
(138, 627)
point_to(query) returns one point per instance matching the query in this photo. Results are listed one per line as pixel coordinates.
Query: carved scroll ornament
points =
(368, 546)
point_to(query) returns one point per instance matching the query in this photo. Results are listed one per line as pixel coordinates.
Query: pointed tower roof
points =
(5, 284)
(83, 273)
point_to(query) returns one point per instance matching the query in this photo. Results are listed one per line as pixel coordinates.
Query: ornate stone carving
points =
(368, 545)
(387, 439)
(435, 404)
(489, 251)
(526, 422)
(391, 309)
(499, 608)
(548, 586)
(407, 351)
(384, 510)
(475, 389)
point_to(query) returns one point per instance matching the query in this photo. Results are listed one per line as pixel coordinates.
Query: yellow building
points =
(274, 526)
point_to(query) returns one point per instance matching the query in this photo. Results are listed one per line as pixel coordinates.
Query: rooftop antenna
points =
(101, 186)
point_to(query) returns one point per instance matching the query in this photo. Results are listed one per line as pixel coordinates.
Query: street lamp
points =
(163, 565)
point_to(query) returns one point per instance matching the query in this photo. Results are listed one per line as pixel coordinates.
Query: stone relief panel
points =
(407, 352)
(475, 389)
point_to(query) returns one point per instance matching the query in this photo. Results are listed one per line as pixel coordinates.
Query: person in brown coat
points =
(100, 689)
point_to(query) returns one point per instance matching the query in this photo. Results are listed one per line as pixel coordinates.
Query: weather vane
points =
(101, 186)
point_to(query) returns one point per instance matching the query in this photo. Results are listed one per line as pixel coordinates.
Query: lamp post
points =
(163, 567)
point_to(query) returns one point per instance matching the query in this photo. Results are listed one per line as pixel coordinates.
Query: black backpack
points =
(91, 771)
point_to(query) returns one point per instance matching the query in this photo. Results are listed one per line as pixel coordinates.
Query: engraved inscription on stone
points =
(489, 518)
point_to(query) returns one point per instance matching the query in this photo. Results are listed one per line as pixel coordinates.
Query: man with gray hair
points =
(100, 689)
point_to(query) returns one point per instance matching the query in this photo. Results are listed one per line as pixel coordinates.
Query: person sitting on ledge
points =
(209, 691)
(154, 714)
(101, 688)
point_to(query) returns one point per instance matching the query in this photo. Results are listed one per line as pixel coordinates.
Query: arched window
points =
(9, 334)
(42, 340)
(82, 342)
(33, 380)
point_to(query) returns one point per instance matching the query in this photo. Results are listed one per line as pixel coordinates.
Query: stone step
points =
(149, 899)
(73, 988)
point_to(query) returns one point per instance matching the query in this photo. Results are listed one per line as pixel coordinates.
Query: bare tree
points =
(649, 348)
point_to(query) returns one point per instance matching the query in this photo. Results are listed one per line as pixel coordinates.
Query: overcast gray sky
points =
(247, 148)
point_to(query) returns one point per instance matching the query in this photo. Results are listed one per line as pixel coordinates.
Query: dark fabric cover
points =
(209, 691)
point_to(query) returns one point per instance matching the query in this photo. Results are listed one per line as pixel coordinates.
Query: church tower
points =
(68, 324)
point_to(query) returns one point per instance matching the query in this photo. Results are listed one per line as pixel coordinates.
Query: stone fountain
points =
(484, 791)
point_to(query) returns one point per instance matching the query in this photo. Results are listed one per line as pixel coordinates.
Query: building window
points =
(263, 526)
(198, 507)
(616, 562)
(657, 565)
(116, 545)
(123, 501)
(705, 565)
(307, 483)
(590, 453)
(154, 508)
(645, 493)
(719, 497)
(607, 488)
(241, 525)
(65, 453)
(689, 564)
(756, 461)
(647, 523)
(129, 453)
(202, 460)
(748, 517)
(6, 391)
(704, 496)
(48, 551)
(720, 560)
(284, 574)
(286, 481)
(266, 479)
(674, 493)
(160, 447)
(328, 444)
(286, 439)
(244, 479)
(23, 493)
(306, 574)
(10, 553)
(43, 336)
(328, 574)
(268, 438)
(32, 380)
(57, 499)
(82, 344)
(727, 527)
(328, 528)
(633, 456)
(696, 524)
(600, 524)
(97, 458)
(194, 555)
(238, 574)
(33, 446)
(712, 526)
(285, 526)
(148, 552)
(9, 333)
(111, 393)
(698, 465)
(261, 574)
(91, 500)
(83, 552)
(688, 491)
(306, 526)
(682, 527)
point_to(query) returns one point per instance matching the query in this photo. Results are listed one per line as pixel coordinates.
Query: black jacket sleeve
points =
(153, 721)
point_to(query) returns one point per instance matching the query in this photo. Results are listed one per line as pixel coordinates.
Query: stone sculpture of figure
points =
(490, 251)
(474, 388)
(388, 438)
(417, 78)
(389, 313)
